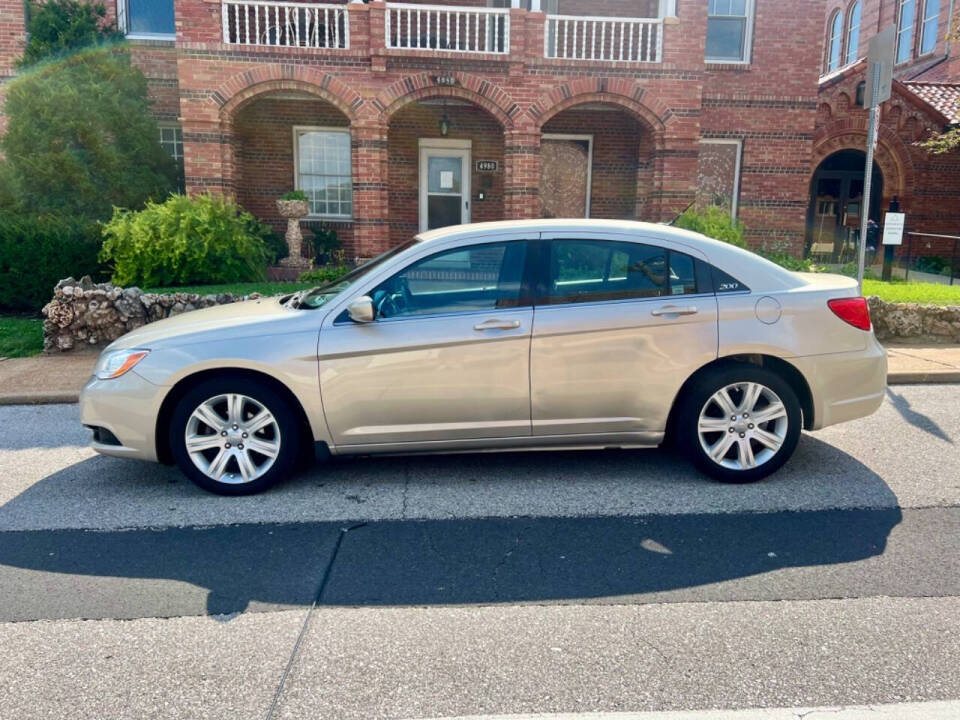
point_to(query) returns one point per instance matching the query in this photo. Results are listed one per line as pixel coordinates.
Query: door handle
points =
(674, 310)
(494, 324)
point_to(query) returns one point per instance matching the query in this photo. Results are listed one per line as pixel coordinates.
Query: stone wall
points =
(911, 321)
(84, 314)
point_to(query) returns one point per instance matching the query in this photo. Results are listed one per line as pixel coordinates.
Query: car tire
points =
(717, 425)
(222, 440)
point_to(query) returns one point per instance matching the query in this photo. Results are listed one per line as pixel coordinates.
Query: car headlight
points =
(119, 362)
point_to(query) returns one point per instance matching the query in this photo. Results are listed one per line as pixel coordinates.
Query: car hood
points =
(235, 319)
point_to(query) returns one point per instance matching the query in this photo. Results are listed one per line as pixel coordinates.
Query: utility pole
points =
(879, 83)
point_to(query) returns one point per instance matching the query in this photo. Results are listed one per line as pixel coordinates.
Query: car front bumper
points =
(845, 386)
(127, 407)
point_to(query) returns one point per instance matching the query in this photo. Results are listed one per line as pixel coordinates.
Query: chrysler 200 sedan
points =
(498, 336)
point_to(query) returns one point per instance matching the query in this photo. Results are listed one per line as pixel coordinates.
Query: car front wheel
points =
(740, 423)
(234, 436)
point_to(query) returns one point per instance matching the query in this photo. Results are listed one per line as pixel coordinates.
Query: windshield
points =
(321, 295)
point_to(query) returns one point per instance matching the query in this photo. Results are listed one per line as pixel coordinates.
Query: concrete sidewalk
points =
(59, 378)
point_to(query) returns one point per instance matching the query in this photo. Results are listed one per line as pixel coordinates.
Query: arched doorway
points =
(836, 203)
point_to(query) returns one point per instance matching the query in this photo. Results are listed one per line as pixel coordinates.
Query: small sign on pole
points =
(893, 223)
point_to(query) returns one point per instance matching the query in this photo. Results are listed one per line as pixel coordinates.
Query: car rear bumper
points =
(126, 408)
(845, 386)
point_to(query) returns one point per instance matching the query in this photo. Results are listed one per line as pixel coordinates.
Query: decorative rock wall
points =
(911, 321)
(87, 314)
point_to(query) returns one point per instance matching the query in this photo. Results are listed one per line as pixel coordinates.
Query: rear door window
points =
(599, 270)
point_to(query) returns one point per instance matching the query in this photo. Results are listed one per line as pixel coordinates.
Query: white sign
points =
(446, 179)
(893, 228)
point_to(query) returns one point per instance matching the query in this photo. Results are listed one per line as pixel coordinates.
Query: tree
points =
(80, 138)
(58, 27)
(949, 139)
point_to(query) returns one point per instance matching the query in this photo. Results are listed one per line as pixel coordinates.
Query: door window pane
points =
(597, 270)
(442, 211)
(479, 277)
(150, 17)
(444, 174)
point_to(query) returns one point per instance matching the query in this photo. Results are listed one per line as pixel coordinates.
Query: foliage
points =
(324, 275)
(785, 260)
(35, 254)
(57, 27)
(715, 222)
(326, 242)
(264, 288)
(949, 139)
(184, 241)
(911, 292)
(294, 195)
(933, 264)
(20, 337)
(274, 243)
(80, 139)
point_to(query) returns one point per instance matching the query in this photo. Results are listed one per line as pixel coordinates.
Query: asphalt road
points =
(484, 584)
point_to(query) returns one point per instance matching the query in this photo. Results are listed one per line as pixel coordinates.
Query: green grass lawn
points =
(264, 288)
(20, 337)
(908, 292)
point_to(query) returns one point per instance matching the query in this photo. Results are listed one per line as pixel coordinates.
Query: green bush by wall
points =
(35, 254)
(184, 241)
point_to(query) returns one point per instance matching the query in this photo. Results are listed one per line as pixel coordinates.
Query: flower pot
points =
(295, 209)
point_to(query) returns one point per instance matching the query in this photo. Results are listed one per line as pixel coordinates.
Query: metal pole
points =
(865, 204)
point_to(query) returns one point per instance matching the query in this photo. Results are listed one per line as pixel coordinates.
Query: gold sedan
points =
(496, 336)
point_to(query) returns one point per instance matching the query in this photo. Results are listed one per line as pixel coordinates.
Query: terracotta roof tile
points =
(945, 97)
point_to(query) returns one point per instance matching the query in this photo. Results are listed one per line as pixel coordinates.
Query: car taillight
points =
(853, 311)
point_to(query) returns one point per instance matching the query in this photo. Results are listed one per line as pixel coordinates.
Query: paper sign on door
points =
(446, 179)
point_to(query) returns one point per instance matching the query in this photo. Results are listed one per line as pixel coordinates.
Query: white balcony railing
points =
(575, 37)
(445, 27)
(285, 24)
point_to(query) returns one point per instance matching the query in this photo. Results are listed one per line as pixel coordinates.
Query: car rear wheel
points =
(234, 436)
(740, 423)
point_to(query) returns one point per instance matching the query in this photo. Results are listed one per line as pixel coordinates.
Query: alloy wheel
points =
(232, 438)
(742, 425)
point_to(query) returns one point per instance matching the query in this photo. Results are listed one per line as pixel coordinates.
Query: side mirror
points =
(361, 309)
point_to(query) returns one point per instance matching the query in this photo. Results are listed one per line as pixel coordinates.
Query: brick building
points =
(926, 91)
(399, 116)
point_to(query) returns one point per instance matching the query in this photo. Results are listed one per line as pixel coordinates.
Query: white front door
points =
(444, 183)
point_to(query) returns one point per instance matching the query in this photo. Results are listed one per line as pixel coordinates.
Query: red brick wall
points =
(13, 35)
(417, 121)
(263, 142)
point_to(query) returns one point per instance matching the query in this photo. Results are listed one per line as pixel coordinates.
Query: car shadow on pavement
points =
(670, 550)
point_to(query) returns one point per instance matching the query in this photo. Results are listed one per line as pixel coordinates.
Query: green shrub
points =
(274, 243)
(80, 138)
(294, 195)
(933, 264)
(58, 26)
(325, 274)
(715, 222)
(184, 241)
(788, 261)
(35, 254)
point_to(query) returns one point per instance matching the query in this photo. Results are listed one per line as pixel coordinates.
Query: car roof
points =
(755, 271)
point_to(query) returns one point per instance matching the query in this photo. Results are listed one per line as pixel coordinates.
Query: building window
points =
(930, 26)
(171, 140)
(853, 32)
(835, 41)
(905, 29)
(322, 170)
(147, 18)
(861, 93)
(729, 28)
(718, 174)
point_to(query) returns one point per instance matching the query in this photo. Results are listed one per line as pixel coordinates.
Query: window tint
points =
(479, 277)
(834, 41)
(931, 23)
(597, 270)
(908, 10)
(853, 33)
(150, 17)
(724, 283)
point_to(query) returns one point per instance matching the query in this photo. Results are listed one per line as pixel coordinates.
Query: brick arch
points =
(244, 87)
(892, 155)
(626, 93)
(492, 98)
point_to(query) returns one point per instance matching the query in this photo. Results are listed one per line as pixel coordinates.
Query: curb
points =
(940, 377)
(39, 398)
